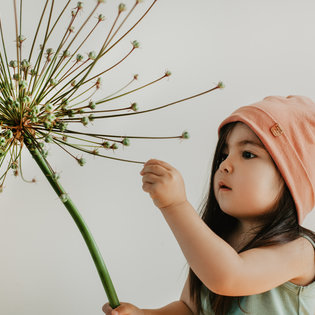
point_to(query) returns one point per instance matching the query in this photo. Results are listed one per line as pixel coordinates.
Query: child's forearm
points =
(175, 308)
(203, 249)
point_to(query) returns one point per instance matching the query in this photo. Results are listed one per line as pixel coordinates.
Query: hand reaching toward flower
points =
(164, 184)
(123, 309)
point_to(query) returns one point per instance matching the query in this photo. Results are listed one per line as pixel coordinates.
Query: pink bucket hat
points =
(286, 127)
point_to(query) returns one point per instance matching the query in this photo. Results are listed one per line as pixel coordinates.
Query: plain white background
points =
(256, 48)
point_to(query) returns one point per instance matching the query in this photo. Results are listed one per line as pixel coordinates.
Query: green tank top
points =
(286, 299)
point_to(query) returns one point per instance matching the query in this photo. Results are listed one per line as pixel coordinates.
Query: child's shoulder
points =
(305, 250)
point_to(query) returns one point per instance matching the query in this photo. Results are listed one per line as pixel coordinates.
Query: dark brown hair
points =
(280, 226)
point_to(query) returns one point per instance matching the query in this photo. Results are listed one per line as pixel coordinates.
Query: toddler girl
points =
(248, 254)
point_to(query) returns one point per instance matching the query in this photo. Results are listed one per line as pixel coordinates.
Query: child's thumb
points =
(115, 312)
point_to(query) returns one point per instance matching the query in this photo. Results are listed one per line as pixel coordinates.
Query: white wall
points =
(257, 48)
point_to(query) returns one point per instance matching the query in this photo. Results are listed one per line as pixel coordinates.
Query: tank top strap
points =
(309, 239)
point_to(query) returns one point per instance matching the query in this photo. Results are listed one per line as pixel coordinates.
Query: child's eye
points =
(248, 155)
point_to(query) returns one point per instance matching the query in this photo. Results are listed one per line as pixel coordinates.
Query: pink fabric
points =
(286, 126)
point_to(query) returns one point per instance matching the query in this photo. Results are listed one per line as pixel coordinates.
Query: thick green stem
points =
(89, 240)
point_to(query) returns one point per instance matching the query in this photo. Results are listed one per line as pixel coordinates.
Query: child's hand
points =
(122, 309)
(164, 184)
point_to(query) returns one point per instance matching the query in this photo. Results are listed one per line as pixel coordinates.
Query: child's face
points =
(248, 170)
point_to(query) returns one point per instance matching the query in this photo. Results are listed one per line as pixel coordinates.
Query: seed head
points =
(92, 105)
(81, 161)
(168, 73)
(84, 121)
(25, 64)
(221, 85)
(79, 57)
(92, 55)
(48, 107)
(23, 84)
(185, 135)
(135, 44)
(13, 63)
(101, 18)
(126, 142)
(3, 141)
(48, 139)
(114, 146)
(106, 145)
(80, 5)
(66, 53)
(121, 8)
(134, 107)
(16, 76)
(51, 118)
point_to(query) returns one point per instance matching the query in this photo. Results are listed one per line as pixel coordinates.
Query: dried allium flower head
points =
(43, 96)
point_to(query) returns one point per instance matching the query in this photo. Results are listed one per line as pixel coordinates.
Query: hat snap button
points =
(276, 130)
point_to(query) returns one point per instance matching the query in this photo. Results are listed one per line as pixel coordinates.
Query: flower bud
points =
(101, 18)
(221, 85)
(126, 142)
(16, 76)
(3, 141)
(53, 82)
(70, 113)
(185, 135)
(48, 107)
(23, 84)
(121, 7)
(9, 134)
(16, 104)
(13, 63)
(135, 44)
(26, 99)
(25, 64)
(66, 53)
(106, 145)
(48, 139)
(81, 161)
(80, 5)
(114, 146)
(91, 117)
(92, 105)
(51, 117)
(21, 38)
(84, 121)
(92, 55)
(134, 107)
(168, 73)
(79, 57)
(49, 51)
(62, 126)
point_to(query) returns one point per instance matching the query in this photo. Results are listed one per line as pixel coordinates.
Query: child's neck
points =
(243, 233)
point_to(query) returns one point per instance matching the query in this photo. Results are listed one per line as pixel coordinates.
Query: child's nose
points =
(226, 166)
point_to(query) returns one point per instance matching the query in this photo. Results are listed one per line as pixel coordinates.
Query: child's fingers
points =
(159, 162)
(155, 169)
(107, 309)
(150, 178)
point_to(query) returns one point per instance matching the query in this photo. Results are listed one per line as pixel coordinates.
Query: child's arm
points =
(214, 261)
(182, 307)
